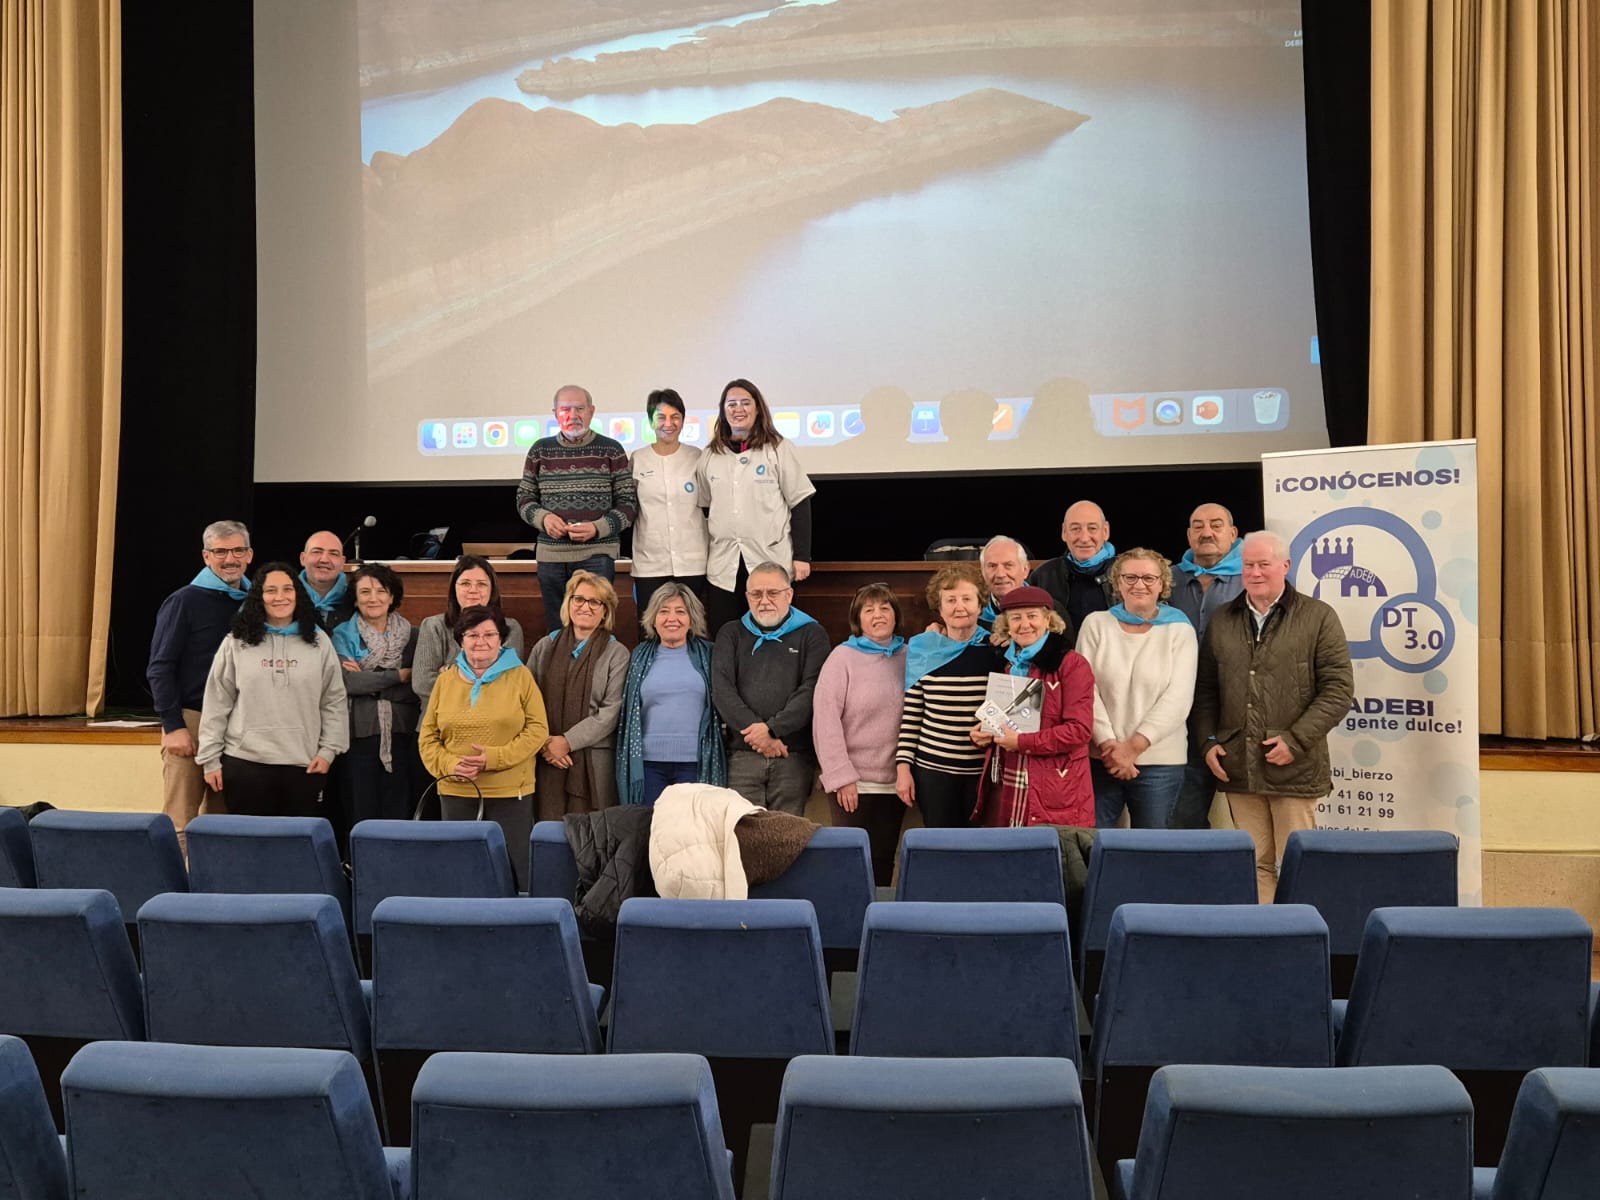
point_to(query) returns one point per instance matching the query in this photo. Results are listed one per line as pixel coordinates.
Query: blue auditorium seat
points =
(738, 981)
(67, 976)
(474, 974)
(424, 858)
(266, 856)
(1553, 1147)
(31, 1163)
(1260, 1133)
(16, 850)
(148, 1121)
(1157, 866)
(965, 981)
(834, 872)
(1229, 983)
(552, 871)
(981, 865)
(1491, 993)
(641, 1126)
(131, 855)
(1346, 873)
(946, 1129)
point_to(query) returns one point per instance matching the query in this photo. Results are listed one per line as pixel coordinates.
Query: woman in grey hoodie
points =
(274, 716)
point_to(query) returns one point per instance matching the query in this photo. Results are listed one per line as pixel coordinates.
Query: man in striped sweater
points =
(577, 492)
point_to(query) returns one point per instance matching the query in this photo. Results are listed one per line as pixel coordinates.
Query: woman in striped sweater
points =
(937, 764)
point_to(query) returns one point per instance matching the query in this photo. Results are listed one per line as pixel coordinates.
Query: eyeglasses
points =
(1142, 580)
(768, 593)
(228, 551)
(585, 602)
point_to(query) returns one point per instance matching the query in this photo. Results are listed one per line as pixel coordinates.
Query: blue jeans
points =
(1193, 809)
(553, 578)
(659, 775)
(1149, 796)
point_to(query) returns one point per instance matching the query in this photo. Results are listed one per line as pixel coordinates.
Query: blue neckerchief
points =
(325, 604)
(1104, 555)
(795, 620)
(1165, 615)
(578, 649)
(292, 629)
(1231, 563)
(927, 652)
(347, 641)
(989, 613)
(210, 580)
(1020, 657)
(867, 646)
(508, 659)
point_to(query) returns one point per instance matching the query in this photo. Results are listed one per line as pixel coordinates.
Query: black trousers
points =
(270, 790)
(946, 800)
(722, 607)
(368, 792)
(880, 814)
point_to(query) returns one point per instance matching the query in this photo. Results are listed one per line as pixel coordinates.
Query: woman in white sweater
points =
(1143, 653)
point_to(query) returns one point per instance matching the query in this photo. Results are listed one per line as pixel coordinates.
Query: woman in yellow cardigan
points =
(485, 722)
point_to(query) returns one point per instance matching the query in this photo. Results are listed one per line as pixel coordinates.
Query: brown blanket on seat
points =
(769, 842)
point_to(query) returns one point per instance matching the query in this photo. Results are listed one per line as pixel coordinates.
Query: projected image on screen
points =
(940, 234)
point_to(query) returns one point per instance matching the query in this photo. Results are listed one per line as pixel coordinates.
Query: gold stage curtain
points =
(60, 348)
(1485, 263)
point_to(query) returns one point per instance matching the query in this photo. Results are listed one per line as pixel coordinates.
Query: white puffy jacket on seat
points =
(694, 854)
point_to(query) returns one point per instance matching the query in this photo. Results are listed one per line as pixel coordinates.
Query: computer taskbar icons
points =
(1221, 410)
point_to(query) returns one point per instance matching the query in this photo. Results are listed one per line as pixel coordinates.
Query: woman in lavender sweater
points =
(856, 723)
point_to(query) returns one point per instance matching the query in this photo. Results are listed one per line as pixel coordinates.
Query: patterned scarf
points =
(713, 763)
(376, 650)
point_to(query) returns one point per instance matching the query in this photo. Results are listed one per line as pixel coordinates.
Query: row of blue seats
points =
(1491, 993)
(152, 1121)
(1343, 874)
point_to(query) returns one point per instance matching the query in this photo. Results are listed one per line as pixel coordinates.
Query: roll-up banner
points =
(1388, 535)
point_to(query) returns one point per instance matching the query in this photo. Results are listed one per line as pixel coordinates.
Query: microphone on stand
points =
(355, 533)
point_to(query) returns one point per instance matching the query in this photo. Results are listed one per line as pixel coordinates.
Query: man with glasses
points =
(763, 672)
(190, 625)
(578, 493)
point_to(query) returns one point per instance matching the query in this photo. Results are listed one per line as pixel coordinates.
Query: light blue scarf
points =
(1231, 563)
(507, 661)
(1102, 556)
(795, 620)
(209, 580)
(867, 646)
(347, 641)
(326, 604)
(1021, 657)
(927, 652)
(1165, 615)
(292, 629)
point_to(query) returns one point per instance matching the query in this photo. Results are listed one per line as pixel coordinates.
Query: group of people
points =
(1134, 687)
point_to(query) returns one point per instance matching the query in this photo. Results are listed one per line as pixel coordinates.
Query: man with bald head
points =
(1004, 561)
(1274, 679)
(322, 571)
(1080, 580)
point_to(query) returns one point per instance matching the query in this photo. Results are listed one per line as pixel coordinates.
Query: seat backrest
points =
(131, 855)
(1346, 873)
(937, 1129)
(1021, 864)
(16, 850)
(552, 869)
(1471, 988)
(426, 858)
(1164, 866)
(66, 969)
(31, 1163)
(1279, 1131)
(477, 974)
(965, 981)
(1553, 1147)
(644, 1126)
(722, 978)
(266, 856)
(834, 872)
(147, 1121)
(1227, 983)
(226, 970)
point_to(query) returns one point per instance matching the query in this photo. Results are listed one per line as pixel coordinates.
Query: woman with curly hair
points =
(274, 717)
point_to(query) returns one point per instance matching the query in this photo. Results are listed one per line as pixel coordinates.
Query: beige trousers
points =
(1269, 820)
(183, 785)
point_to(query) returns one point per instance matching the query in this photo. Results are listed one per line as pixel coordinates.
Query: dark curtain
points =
(1337, 56)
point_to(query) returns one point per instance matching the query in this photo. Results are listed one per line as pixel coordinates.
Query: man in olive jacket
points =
(1274, 678)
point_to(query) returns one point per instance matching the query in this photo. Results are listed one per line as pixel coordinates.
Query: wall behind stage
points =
(189, 391)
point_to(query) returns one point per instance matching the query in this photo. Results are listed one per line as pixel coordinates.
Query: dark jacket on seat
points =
(612, 848)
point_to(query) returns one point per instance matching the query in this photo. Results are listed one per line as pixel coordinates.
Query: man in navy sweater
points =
(190, 626)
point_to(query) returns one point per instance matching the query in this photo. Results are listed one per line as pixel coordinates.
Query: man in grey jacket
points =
(1274, 679)
(763, 672)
